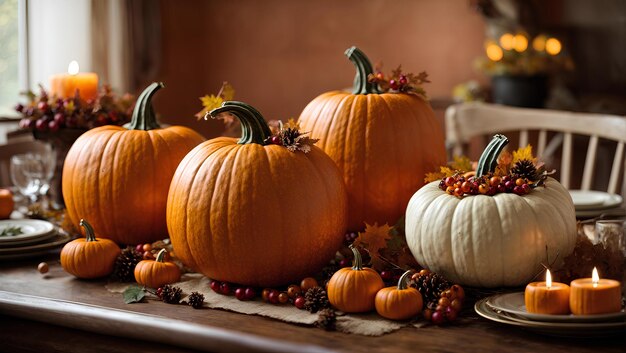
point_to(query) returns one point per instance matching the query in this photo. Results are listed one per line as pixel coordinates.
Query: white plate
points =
(513, 303)
(561, 329)
(29, 241)
(35, 250)
(609, 212)
(594, 200)
(31, 229)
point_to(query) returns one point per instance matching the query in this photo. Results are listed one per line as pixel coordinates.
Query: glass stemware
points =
(28, 174)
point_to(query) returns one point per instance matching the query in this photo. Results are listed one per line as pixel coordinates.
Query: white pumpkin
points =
(490, 241)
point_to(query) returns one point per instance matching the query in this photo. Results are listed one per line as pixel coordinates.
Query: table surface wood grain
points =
(56, 312)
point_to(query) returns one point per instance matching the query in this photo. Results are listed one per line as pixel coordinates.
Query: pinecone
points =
(171, 294)
(195, 300)
(430, 285)
(124, 268)
(289, 136)
(316, 299)
(327, 319)
(524, 169)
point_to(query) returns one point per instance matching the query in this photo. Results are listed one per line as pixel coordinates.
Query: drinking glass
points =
(48, 160)
(27, 174)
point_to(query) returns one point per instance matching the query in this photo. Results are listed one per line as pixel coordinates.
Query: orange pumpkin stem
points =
(363, 70)
(161, 255)
(403, 281)
(89, 232)
(143, 114)
(357, 264)
(254, 129)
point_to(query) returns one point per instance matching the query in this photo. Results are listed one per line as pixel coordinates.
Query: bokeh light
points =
(539, 43)
(494, 52)
(520, 43)
(506, 41)
(553, 46)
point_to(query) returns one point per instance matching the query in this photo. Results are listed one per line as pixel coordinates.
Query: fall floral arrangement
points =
(518, 172)
(397, 81)
(44, 112)
(516, 55)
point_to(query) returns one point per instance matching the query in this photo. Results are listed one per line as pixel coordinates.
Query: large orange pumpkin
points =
(118, 177)
(383, 143)
(254, 213)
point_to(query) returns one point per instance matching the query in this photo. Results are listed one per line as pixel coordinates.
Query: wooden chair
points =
(10, 149)
(554, 131)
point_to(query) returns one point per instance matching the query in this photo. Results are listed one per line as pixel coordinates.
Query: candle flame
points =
(595, 278)
(72, 68)
(548, 279)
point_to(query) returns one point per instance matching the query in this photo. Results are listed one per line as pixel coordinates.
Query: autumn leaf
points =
(227, 92)
(291, 124)
(212, 101)
(461, 163)
(523, 153)
(374, 238)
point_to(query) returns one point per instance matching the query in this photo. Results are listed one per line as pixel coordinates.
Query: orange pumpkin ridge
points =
(120, 176)
(254, 213)
(383, 143)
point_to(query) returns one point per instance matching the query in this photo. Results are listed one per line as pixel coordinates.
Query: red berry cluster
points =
(45, 113)
(293, 294)
(490, 185)
(440, 305)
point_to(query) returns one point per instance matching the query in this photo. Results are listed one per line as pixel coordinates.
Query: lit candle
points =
(595, 296)
(66, 85)
(547, 297)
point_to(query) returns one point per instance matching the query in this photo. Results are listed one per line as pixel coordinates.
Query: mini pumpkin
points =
(490, 241)
(252, 212)
(399, 302)
(89, 257)
(157, 273)
(6, 203)
(120, 176)
(383, 143)
(353, 290)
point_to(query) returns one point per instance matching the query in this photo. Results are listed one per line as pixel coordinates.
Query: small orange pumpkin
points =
(90, 257)
(156, 273)
(6, 203)
(353, 290)
(399, 303)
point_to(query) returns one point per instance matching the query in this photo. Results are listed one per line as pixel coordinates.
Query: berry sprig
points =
(47, 113)
(398, 81)
(459, 186)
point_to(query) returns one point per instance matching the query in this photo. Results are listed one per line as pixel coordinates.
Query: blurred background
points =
(280, 54)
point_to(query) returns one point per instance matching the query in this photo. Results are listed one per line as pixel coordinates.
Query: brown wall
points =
(280, 54)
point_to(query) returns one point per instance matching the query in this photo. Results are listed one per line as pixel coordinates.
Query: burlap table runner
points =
(363, 324)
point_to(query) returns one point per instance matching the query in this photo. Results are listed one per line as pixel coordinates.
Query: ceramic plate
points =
(609, 212)
(595, 329)
(35, 250)
(593, 200)
(32, 229)
(513, 304)
(29, 241)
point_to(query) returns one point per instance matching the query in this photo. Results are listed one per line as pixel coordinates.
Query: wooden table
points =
(57, 312)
